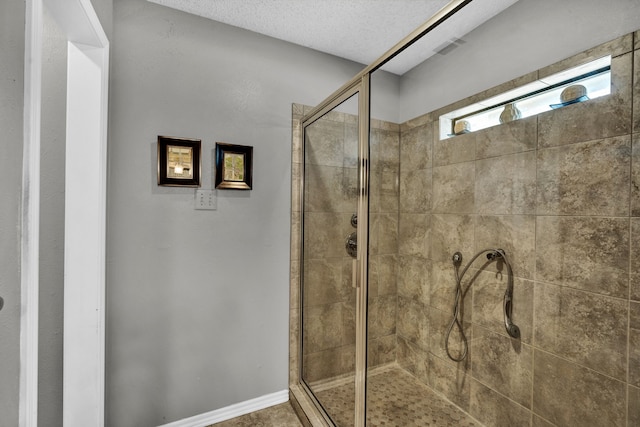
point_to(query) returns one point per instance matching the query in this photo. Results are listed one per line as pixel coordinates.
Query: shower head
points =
(498, 253)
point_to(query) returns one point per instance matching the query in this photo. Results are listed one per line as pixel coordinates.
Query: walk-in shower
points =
(465, 234)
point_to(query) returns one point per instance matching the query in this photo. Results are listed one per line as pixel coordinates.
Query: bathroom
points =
(542, 208)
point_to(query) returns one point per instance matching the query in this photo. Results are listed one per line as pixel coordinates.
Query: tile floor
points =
(396, 399)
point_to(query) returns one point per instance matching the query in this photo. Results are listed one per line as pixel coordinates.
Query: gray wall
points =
(11, 105)
(53, 131)
(198, 300)
(527, 36)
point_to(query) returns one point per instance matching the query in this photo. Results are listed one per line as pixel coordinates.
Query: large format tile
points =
(634, 273)
(414, 235)
(582, 327)
(589, 178)
(515, 234)
(329, 363)
(493, 409)
(502, 364)
(439, 324)
(451, 379)
(634, 407)
(458, 149)
(414, 278)
(636, 91)
(453, 188)
(381, 351)
(634, 344)
(506, 184)
(413, 322)
(635, 170)
(331, 189)
(415, 148)
(508, 138)
(325, 143)
(325, 234)
(570, 395)
(382, 316)
(584, 252)
(323, 282)
(594, 119)
(488, 297)
(415, 191)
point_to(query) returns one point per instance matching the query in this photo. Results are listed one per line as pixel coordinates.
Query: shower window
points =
(531, 99)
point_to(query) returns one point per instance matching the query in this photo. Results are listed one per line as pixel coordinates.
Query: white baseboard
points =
(232, 411)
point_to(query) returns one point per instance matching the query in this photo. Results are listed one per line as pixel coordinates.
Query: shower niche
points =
(554, 196)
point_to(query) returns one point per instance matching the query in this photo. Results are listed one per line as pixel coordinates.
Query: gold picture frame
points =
(179, 162)
(234, 166)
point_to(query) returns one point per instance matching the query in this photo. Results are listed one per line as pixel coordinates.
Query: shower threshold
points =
(394, 398)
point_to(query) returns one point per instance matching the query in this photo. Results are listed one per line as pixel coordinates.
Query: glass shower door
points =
(329, 295)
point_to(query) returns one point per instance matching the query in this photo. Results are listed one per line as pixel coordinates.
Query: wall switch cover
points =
(206, 200)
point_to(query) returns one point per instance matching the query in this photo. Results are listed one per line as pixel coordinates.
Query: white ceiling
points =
(358, 30)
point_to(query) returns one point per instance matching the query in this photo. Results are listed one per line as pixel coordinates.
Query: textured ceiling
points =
(358, 30)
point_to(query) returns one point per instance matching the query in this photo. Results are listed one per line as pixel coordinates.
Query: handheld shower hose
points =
(511, 328)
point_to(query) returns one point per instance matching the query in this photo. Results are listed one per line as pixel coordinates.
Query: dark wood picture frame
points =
(179, 161)
(234, 166)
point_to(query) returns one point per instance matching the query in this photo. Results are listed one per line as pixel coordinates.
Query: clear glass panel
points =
(328, 296)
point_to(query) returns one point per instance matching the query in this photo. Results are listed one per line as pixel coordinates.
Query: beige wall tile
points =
(493, 409)
(584, 252)
(540, 422)
(506, 184)
(634, 273)
(412, 323)
(381, 351)
(382, 316)
(414, 278)
(325, 143)
(634, 357)
(415, 191)
(635, 171)
(634, 407)
(599, 118)
(508, 138)
(450, 379)
(325, 234)
(515, 234)
(415, 230)
(331, 189)
(583, 327)
(453, 188)
(439, 323)
(488, 295)
(636, 91)
(323, 282)
(570, 395)
(416, 148)
(503, 365)
(329, 363)
(589, 178)
(458, 149)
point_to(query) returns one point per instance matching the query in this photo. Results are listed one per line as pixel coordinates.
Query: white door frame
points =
(85, 213)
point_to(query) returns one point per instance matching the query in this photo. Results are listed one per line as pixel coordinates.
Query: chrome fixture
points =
(354, 220)
(351, 244)
(492, 255)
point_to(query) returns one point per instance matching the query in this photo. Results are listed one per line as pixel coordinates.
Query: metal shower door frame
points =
(361, 88)
(361, 84)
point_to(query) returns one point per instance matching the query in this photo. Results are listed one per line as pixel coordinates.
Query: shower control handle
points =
(351, 245)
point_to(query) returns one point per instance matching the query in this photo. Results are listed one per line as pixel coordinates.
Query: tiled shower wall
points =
(560, 193)
(331, 199)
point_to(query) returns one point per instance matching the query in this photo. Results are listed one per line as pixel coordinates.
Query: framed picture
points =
(178, 161)
(234, 165)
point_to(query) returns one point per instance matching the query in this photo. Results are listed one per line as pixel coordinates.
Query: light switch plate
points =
(206, 200)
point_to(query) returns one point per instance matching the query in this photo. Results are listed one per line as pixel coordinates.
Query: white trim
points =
(30, 220)
(232, 411)
(84, 287)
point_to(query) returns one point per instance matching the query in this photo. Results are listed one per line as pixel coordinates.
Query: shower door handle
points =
(354, 274)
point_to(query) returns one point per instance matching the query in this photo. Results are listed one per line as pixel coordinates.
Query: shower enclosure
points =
(465, 231)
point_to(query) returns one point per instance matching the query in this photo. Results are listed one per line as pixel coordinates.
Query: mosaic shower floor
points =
(395, 398)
